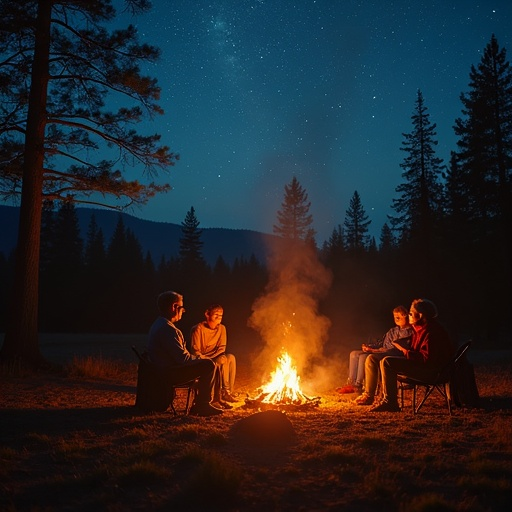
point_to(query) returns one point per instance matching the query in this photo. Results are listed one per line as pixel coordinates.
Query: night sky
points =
(257, 91)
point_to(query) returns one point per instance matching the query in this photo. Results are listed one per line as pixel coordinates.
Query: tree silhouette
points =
(356, 225)
(59, 66)
(387, 240)
(191, 261)
(484, 160)
(479, 185)
(191, 245)
(294, 221)
(419, 206)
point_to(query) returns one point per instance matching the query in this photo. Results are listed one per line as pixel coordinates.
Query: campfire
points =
(283, 390)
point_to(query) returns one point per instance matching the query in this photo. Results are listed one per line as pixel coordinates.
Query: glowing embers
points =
(283, 390)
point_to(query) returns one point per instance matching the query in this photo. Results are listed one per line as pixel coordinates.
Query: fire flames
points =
(284, 385)
(283, 389)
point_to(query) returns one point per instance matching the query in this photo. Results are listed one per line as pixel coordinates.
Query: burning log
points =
(283, 391)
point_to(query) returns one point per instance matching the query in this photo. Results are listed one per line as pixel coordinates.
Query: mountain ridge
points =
(160, 239)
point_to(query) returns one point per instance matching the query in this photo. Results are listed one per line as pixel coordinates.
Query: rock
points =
(266, 427)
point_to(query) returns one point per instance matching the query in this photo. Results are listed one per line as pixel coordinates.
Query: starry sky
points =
(258, 91)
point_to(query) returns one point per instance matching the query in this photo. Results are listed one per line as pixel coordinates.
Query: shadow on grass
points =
(19, 424)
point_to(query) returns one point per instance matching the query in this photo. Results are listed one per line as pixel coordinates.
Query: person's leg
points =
(360, 369)
(228, 378)
(229, 373)
(352, 366)
(371, 374)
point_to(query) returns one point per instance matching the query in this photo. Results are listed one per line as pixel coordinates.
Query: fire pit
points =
(283, 392)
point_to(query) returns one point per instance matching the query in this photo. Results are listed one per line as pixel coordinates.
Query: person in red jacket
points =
(430, 350)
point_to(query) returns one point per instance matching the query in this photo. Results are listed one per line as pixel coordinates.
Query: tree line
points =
(450, 237)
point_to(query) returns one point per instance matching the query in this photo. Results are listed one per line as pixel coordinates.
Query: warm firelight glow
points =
(284, 384)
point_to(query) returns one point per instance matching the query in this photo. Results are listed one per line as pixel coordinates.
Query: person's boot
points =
(219, 402)
(226, 396)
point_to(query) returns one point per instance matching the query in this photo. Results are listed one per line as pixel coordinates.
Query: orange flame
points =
(284, 386)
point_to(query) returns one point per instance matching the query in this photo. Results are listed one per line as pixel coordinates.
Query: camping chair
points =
(153, 392)
(191, 388)
(441, 382)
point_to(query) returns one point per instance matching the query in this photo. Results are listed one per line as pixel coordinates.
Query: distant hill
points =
(159, 238)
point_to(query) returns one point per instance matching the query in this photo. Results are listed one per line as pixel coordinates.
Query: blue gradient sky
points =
(257, 91)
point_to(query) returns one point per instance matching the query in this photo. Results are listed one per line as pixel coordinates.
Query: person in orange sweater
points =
(208, 339)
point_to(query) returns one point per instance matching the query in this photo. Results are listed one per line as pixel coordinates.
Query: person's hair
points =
(426, 307)
(166, 299)
(212, 307)
(402, 310)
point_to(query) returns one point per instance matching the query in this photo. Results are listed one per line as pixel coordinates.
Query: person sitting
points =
(208, 339)
(430, 350)
(401, 334)
(357, 358)
(167, 350)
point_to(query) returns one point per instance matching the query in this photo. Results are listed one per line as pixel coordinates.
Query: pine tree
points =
(481, 174)
(191, 245)
(419, 206)
(294, 222)
(58, 66)
(479, 187)
(387, 240)
(194, 271)
(356, 225)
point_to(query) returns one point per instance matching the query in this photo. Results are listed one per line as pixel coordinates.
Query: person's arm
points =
(195, 341)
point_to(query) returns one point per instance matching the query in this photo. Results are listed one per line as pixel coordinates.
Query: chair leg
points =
(446, 394)
(189, 392)
(173, 397)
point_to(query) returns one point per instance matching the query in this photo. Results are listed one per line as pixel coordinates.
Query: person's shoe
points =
(346, 389)
(385, 406)
(364, 399)
(226, 396)
(221, 404)
(204, 410)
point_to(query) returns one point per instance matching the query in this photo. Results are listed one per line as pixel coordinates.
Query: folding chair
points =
(191, 388)
(441, 382)
(154, 393)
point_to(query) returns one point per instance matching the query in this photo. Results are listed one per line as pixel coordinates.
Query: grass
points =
(74, 441)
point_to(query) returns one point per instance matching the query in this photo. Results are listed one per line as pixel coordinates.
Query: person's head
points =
(170, 305)
(421, 311)
(401, 316)
(213, 315)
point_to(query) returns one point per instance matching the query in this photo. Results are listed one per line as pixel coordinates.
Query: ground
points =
(71, 443)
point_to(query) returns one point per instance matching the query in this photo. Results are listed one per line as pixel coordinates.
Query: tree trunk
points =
(21, 341)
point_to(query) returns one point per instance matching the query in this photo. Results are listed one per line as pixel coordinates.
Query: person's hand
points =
(399, 347)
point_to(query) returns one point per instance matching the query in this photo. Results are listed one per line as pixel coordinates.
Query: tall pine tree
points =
(480, 189)
(59, 63)
(419, 206)
(294, 222)
(483, 163)
(356, 225)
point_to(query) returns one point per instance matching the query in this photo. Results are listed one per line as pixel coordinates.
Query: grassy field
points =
(74, 441)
